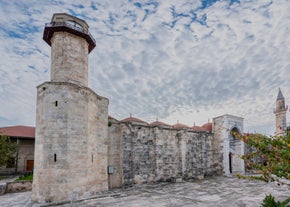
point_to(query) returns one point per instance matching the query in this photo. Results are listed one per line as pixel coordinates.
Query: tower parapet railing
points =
(71, 27)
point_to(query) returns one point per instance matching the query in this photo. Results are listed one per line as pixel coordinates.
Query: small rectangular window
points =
(111, 169)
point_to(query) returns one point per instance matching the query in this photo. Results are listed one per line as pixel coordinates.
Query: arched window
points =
(233, 139)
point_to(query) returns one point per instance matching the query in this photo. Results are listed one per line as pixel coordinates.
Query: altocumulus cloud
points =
(178, 60)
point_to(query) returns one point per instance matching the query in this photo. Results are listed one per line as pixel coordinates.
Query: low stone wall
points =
(18, 186)
(2, 188)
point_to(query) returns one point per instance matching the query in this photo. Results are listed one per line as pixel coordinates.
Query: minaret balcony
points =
(71, 25)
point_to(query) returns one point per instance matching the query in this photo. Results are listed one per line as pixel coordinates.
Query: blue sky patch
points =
(79, 6)
(234, 1)
(207, 3)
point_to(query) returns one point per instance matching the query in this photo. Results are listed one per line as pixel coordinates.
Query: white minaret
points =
(280, 113)
(71, 120)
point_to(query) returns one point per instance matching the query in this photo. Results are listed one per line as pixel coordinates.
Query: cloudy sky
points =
(186, 60)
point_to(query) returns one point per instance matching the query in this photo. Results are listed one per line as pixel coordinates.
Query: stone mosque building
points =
(80, 151)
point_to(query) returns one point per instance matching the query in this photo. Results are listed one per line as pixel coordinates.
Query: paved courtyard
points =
(216, 191)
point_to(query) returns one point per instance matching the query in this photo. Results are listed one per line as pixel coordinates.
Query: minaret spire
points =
(280, 95)
(280, 113)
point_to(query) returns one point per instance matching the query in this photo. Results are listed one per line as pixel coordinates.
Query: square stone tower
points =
(230, 146)
(71, 120)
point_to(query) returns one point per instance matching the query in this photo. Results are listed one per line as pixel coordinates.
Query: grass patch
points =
(25, 177)
(4, 177)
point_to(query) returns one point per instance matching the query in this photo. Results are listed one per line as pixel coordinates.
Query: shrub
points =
(269, 201)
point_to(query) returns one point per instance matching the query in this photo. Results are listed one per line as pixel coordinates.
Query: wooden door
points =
(29, 165)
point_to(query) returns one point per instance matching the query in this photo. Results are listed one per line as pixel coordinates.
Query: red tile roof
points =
(180, 126)
(198, 128)
(18, 131)
(207, 127)
(133, 119)
(158, 123)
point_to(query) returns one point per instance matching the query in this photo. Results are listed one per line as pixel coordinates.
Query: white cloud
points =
(171, 59)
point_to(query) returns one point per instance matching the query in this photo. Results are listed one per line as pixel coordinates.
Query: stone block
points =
(18, 186)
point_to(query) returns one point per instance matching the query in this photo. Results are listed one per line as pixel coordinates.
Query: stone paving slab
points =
(211, 192)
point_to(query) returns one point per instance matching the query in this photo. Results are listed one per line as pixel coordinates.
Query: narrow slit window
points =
(54, 157)
(56, 103)
(92, 158)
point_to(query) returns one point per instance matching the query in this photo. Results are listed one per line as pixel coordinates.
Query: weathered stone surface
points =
(71, 142)
(2, 188)
(69, 58)
(227, 145)
(18, 186)
(211, 192)
(115, 154)
(145, 154)
(25, 152)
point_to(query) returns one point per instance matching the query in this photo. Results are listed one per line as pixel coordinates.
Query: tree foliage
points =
(274, 153)
(7, 150)
(270, 201)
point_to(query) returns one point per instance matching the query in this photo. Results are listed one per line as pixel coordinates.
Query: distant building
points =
(280, 113)
(24, 158)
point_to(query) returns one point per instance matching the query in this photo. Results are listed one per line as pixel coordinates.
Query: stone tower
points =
(280, 113)
(71, 119)
(230, 147)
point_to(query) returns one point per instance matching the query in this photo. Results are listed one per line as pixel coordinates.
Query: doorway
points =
(230, 162)
(29, 165)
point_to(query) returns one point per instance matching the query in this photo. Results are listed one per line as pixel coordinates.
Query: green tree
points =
(7, 150)
(270, 158)
(275, 153)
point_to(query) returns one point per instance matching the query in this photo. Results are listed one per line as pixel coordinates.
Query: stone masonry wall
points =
(138, 154)
(71, 143)
(199, 158)
(229, 149)
(115, 154)
(69, 58)
(25, 152)
(151, 154)
(167, 154)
